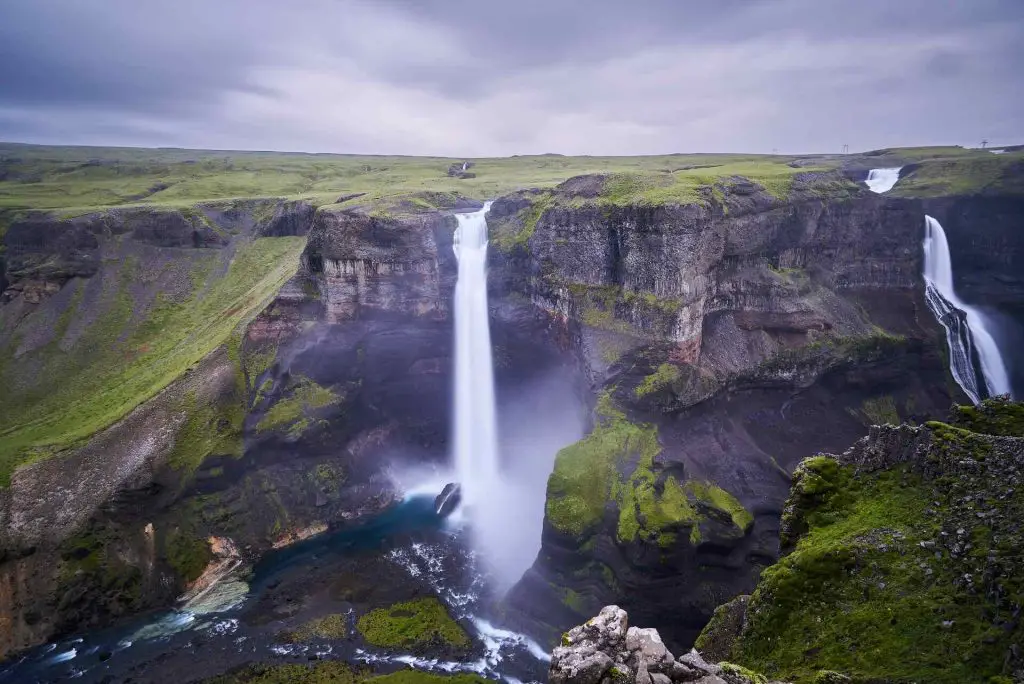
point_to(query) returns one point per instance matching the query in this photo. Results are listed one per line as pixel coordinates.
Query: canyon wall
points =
(725, 341)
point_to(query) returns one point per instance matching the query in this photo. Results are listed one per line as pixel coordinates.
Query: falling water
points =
(973, 355)
(476, 446)
(882, 180)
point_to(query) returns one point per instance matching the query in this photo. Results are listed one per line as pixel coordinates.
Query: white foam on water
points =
(64, 657)
(882, 180)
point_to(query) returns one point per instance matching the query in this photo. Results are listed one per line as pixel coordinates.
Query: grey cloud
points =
(465, 77)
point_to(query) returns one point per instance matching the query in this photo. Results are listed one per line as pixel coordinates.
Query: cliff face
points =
(293, 424)
(727, 339)
(120, 367)
(900, 560)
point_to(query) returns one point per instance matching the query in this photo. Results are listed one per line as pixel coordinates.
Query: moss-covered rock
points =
(295, 411)
(904, 562)
(334, 626)
(334, 672)
(416, 624)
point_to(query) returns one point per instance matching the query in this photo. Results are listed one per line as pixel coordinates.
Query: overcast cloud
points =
(481, 77)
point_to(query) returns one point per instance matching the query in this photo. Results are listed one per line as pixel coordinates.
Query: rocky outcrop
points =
(606, 650)
(901, 560)
(371, 264)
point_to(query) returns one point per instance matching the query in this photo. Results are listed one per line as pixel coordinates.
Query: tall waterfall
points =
(973, 355)
(882, 180)
(476, 444)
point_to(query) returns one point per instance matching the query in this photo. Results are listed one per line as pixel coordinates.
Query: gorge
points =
(622, 368)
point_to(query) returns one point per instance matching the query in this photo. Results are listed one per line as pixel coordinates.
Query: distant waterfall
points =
(973, 355)
(476, 446)
(882, 180)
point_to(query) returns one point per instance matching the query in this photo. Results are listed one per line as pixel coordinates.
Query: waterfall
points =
(476, 445)
(882, 180)
(973, 355)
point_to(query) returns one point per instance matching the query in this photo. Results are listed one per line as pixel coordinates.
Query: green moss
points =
(832, 351)
(963, 175)
(585, 472)
(293, 410)
(187, 554)
(126, 353)
(334, 626)
(211, 428)
(875, 587)
(738, 673)
(995, 416)
(417, 623)
(575, 601)
(663, 376)
(721, 500)
(880, 411)
(418, 677)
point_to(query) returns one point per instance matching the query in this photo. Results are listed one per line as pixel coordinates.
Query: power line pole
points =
(846, 149)
(983, 143)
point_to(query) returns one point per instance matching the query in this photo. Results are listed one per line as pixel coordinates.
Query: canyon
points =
(267, 371)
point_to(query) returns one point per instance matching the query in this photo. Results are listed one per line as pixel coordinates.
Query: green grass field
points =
(80, 179)
(81, 381)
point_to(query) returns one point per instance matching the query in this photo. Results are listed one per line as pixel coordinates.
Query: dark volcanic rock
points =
(448, 500)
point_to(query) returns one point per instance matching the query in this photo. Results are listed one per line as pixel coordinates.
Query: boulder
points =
(448, 500)
(606, 650)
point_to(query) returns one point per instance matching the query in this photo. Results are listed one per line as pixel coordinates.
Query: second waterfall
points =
(476, 441)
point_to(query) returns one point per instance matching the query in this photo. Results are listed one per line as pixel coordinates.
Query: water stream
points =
(882, 180)
(974, 357)
(476, 441)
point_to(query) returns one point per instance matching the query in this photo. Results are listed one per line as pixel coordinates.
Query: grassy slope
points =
(60, 393)
(899, 575)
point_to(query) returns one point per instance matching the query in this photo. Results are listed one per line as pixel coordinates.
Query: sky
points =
(494, 78)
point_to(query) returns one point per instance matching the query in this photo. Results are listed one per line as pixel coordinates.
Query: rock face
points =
(726, 340)
(900, 560)
(290, 428)
(606, 650)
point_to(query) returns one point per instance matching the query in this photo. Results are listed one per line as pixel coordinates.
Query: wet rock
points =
(448, 500)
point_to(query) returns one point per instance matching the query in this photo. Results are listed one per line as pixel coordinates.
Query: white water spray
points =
(971, 345)
(476, 443)
(882, 180)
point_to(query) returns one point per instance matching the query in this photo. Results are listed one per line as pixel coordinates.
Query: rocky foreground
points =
(607, 650)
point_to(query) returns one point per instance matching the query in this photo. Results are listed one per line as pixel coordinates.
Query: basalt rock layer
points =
(727, 339)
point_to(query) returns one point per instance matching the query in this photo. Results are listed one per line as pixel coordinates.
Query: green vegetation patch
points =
(832, 351)
(662, 377)
(334, 626)
(995, 416)
(418, 623)
(982, 172)
(515, 232)
(585, 473)
(211, 428)
(334, 672)
(123, 353)
(696, 183)
(294, 410)
(586, 478)
(878, 411)
(187, 553)
(905, 574)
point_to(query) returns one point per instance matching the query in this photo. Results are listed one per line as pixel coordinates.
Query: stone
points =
(605, 649)
(448, 500)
